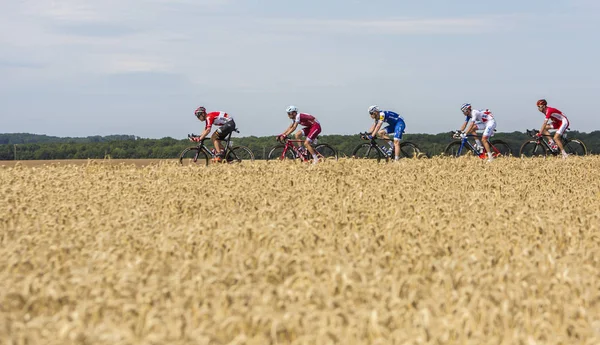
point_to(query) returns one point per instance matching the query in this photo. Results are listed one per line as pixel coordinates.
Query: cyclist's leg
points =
(398, 131)
(488, 131)
(221, 134)
(564, 124)
(216, 142)
(313, 132)
(385, 134)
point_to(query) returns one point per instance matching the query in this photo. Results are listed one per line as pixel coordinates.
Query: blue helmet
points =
(465, 107)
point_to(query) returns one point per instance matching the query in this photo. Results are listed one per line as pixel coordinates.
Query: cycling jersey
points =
(395, 123)
(480, 116)
(558, 119)
(389, 117)
(217, 118)
(305, 120)
(555, 115)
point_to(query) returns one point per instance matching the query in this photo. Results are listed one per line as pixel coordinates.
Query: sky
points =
(88, 67)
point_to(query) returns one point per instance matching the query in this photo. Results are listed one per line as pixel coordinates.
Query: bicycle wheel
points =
(454, 149)
(367, 151)
(238, 154)
(409, 150)
(276, 153)
(575, 147)
(326, 152)
(193, 156)
(500, 148)
(532, 148)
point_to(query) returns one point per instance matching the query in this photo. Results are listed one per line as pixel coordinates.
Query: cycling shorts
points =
(397, 128)
(560, 126)
(312, 132)
(225, 129)
(487, 128)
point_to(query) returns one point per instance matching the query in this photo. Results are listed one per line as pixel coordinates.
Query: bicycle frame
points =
(289, 145)
(226, 141)
(464, 141)
(375, 144)
(544, 138)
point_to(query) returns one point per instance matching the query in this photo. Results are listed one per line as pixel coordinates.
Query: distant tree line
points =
(33, 146)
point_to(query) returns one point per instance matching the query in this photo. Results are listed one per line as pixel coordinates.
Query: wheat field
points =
(433, 251)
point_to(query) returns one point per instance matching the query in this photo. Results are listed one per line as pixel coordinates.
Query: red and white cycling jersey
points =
(217, 118)
(481, 116)
(305, 120)
(555, 115)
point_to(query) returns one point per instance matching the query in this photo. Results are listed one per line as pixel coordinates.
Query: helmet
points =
(542, 102)
(465, 107)
(374, 109)
(200, 110)
(291, 108)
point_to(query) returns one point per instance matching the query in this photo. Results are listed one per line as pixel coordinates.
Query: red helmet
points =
(542, 102)
(200, 111)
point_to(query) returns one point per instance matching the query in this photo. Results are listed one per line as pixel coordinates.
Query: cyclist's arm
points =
(544, 124)
(290, 129)
(464, 124)
(205, 133)
(376, 129)
(470, 127)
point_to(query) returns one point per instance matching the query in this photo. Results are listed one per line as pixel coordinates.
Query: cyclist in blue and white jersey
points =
(395, 125)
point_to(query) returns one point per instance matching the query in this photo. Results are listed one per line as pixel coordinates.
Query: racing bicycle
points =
(292, 149)
(202, 155)
(373, 150)
(539, 146)
(463, 146)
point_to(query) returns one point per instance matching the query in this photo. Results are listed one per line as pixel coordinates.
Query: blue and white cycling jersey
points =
(395, 123)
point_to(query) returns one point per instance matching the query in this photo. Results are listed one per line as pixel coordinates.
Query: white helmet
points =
(291, 108)
(374, 109)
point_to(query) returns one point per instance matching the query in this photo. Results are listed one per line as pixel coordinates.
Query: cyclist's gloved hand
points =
(539, 135)
(369, 136)
(463, 135)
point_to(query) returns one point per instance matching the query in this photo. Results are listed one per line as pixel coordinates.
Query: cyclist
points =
(395, 124)
(479, 120)
(311, 129)
(217, 118)
(556, 120)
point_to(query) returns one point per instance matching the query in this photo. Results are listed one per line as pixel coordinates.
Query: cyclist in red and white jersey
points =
(479, 120)
(555, 119)
(311, 129)
(218, 118)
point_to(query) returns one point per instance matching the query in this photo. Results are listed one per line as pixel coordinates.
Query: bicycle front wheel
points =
(409, 150)
(500, 148)
(193, 156)
(326, 152)
(367, 151)
(532, 148)
(575, 147)
(456, 149)
(238, 154)
(276, 153)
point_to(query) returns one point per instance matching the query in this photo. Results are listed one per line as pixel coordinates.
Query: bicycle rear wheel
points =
(326, 152)
(409, 150)
(276, 153)
(193, 156)
(239, 153)
(500, 148)
(532, 148)
(367, 151)
(454, 149)
(575, 147)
